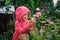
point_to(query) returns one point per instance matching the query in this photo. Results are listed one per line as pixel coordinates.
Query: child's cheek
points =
(23, 18)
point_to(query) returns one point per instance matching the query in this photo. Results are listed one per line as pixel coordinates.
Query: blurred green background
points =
(47, 26)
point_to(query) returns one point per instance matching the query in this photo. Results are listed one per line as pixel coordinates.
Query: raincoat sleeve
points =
(20, 29)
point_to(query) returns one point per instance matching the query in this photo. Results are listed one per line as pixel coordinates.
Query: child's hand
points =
(31, 24)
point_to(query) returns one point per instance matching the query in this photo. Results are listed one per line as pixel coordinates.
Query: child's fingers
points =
(33, 19)
(31, 23)
(34, 15)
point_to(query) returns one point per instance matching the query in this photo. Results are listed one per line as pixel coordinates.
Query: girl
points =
(22, 24)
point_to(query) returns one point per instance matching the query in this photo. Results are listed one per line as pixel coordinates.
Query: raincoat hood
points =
(20, 11)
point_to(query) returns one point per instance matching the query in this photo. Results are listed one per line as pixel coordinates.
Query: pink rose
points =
(38, 14)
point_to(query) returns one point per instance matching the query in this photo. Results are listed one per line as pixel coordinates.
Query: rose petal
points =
(37, 9)
(38, 14)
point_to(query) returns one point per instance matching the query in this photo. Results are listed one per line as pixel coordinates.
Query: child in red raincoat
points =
(22, 24)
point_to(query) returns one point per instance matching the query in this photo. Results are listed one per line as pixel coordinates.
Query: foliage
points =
(48, 24)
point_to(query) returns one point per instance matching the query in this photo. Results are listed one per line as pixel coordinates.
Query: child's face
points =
(26, 16)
